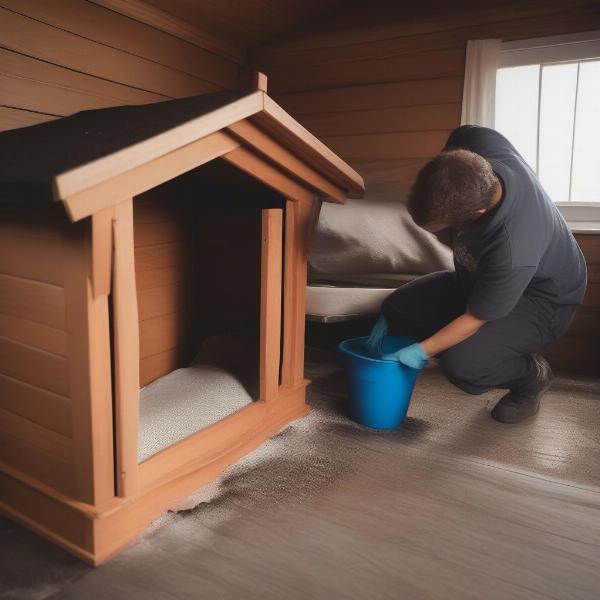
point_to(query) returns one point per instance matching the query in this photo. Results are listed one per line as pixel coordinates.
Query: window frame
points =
(583, 217)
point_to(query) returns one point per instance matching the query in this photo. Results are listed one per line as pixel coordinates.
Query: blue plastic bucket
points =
(379, 390)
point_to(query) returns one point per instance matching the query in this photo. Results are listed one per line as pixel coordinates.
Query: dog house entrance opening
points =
(198, 271)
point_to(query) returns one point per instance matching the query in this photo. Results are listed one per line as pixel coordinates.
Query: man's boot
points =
(524, 400)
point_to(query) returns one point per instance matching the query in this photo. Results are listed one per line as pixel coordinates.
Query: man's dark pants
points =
(496, 356)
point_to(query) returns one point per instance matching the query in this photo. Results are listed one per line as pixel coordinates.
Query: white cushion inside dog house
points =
(183, 402)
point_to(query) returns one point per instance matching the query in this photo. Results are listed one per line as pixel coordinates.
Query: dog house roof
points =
(106, 150)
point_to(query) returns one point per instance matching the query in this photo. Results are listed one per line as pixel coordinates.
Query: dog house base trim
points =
(96, 533)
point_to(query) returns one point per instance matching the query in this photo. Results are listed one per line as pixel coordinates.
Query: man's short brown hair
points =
(451, 188)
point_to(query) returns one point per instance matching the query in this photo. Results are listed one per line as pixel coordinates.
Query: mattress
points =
(329, 303)
(183, 402)
(374, 236)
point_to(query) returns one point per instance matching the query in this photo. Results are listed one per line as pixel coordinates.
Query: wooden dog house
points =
(130, 237)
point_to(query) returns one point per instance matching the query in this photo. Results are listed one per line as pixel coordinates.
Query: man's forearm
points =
(455, 332)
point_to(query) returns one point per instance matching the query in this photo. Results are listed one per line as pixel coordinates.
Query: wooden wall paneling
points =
(162, 257)
(163, 333)
(126, 351)
(270, 302)
(426, 117)
(385, 146)
(452, 35)
(13, 118)
(36, 367)
(57, 46)
(586, 322)
(578, 351)
(50, 411)
(390, 176)
(163, 300)
(35, 221)
(154, 366)
(164, 230)
(32, 300)
(233, 233)
(373, 97)
(34, 380)
(54, 446)
(36, 451)
(157, 277)
(111, 29)
(158, 256)
(158, 19)
(36, 85)
(89, 361)
(364, 27)
(34, 334)
(395, 60)
(574, 355)
(592, 295)
(448, 62)
(26, 263)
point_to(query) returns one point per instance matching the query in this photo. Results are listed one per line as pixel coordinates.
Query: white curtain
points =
(479, 91)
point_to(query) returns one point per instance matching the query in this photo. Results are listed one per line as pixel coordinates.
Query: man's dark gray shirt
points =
(521, 247)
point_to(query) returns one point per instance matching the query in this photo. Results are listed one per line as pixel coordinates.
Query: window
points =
(548, 105)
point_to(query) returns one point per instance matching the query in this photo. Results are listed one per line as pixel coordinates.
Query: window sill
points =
(592, 227)
(581, 217)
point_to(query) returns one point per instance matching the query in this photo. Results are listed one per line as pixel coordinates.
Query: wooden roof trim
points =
(148, 175)
(81, 178)
(265, 144)
(254, 165)
(276, 120)
(79, 188)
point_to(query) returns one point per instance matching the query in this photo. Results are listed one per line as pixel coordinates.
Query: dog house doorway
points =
(199, 247)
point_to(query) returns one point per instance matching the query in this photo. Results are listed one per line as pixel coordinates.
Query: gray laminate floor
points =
(453, 505)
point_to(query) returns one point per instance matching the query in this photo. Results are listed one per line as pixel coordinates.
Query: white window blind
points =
(548, 106)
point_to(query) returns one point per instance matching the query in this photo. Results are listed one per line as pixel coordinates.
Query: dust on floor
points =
(453, 505)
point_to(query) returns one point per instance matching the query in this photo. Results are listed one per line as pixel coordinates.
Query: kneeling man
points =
(519, 274)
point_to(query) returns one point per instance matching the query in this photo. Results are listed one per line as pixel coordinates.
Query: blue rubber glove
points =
(412, 356)
(374, 343)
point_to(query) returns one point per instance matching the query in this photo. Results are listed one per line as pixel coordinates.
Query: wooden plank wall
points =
(35, 403)
(60, 57)
(579, 351)
(163, 271)
(381, 84)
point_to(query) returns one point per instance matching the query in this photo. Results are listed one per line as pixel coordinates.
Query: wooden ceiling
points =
(248, 23)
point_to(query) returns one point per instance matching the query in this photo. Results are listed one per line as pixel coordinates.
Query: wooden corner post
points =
(300, 221)
(270, 302)
(126, 351)
(87, 246)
